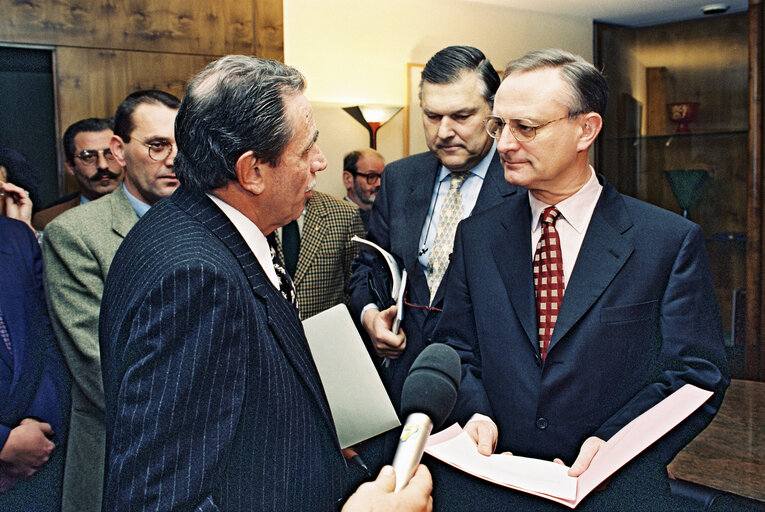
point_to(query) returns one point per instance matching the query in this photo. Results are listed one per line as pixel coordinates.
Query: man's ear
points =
(592, 123)
(250, 172)
(69, 167)
(117, 147)
(347, 180)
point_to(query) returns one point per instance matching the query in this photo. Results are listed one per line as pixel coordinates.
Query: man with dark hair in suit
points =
(34, 384)
(575, 308)
(212, 398)
(421, 200)
(362, 170)
(78, 248)
(89, 160)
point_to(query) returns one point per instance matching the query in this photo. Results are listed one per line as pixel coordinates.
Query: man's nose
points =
(170, 160)
(445, 128)
(507, 141)
(320, 162)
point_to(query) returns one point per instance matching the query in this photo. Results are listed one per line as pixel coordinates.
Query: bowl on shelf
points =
(682, 113)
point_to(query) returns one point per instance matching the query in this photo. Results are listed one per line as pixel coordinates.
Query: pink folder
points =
(549, 480)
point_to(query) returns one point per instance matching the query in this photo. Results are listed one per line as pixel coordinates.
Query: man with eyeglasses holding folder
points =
(89, 160)
(574, 308)
(78, 249)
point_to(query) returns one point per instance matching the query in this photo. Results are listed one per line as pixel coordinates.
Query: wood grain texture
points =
(179, 26)
(268, 17)
(730, 453)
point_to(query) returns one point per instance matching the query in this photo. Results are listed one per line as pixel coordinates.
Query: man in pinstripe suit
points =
(212, 398)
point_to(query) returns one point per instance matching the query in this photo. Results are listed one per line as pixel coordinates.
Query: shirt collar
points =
(139, 206)
(479, 170)
(253, 237)
(576, 209)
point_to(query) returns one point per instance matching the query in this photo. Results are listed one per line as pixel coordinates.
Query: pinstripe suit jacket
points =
(212, 398)
(326, 253)
(78, 248)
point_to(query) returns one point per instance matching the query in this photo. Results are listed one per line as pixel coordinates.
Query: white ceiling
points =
(632, 13)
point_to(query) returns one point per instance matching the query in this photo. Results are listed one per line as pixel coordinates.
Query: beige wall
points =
(356, 51)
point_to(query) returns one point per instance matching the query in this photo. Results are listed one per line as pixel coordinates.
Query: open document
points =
(357, 398)
(550, 480)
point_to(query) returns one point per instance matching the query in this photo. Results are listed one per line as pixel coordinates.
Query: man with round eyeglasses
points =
(78, 249)
(574, 308)
(88, 159)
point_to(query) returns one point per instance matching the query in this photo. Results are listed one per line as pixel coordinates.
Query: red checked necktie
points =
(4, 334)
(548, 278)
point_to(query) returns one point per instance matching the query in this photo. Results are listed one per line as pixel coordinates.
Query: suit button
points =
(542, 423)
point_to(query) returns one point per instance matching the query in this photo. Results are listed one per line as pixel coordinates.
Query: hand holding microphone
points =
(428, 397)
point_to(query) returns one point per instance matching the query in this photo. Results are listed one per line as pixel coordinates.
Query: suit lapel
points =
(283, 319)
(604, 252)
(314, 231)
(512, 253)
(123, 215)
(419, 196)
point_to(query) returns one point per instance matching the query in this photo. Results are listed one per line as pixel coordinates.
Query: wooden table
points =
(729, 454)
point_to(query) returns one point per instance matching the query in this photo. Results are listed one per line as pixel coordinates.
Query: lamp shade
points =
(372, 117)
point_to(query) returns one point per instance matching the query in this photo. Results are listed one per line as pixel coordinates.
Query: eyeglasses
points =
(520, 128)
(159, 149)
(371, 177)
(90, 156)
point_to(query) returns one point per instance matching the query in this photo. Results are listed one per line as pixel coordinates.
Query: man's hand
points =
(483, 432)
(586, 453)
(27, 448)
(378, 325)
(378, 496)
(16, 202)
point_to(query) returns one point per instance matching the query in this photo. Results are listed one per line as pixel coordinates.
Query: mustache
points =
(104, 173)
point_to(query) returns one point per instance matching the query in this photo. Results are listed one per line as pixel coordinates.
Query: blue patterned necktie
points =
(4, 334)
(451, 215)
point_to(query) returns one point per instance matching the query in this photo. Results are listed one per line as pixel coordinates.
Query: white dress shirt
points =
(575, 214)
(254, 238)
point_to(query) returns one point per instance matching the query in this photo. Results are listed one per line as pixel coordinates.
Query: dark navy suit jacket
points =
(34, 382)
(396, 223)
(639, 319)
(212, 398)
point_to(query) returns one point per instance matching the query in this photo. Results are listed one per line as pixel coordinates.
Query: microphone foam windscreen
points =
(432, 384)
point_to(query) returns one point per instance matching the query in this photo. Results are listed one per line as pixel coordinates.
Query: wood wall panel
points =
(268, 17)
(180, 26)
(112, 75)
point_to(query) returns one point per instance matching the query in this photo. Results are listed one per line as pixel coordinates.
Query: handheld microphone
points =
(428, 397)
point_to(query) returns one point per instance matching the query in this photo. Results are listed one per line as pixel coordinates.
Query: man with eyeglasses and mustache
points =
(78, 249)
(90, 161)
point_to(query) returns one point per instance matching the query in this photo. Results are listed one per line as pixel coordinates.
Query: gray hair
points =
(588, 86)
(234, 105)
